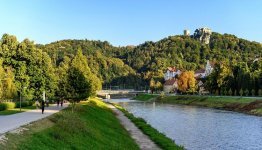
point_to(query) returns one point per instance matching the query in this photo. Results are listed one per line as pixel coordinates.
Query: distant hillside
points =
(103, 59)
(150, 59)
(187, 53)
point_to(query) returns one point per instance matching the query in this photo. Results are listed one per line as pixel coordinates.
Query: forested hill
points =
(29, 68)
(150, 59)
(187, 53)
(103, 58)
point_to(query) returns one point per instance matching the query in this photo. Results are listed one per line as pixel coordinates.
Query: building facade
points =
(170, 86)
(203, 73)
(171, 72)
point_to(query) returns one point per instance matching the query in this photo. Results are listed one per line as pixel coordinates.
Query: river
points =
(198, 128)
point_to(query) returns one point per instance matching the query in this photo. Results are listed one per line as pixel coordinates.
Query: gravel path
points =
(141, 139)
(11, 122)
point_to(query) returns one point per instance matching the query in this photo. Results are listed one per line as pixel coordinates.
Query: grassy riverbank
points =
(145, 97)
(92, 126)
(160, 139)
(240, 104)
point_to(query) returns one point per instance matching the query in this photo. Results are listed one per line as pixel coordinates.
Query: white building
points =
(202, 73)
(170, 86)
(209, 68)
(171, 72)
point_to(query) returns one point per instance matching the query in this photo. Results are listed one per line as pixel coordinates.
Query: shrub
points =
(241, 92)
(10, 105)
(162, 96)
(23, 104)
(7, 105)
(235, 93)
(225, 92)
(230, 92)
(2, 106)
(253, 92)
(246, 92)
(217, 93)
(260, 92)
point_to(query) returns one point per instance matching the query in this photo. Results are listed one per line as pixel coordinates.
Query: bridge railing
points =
(126, 91)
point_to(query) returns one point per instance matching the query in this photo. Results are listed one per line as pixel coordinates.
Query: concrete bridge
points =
(119, 93)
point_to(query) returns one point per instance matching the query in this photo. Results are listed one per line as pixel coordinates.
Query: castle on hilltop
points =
(201, 34)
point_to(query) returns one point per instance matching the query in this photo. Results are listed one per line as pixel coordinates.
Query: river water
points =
(199, 128)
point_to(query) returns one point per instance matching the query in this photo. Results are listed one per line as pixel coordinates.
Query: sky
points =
(127, 22)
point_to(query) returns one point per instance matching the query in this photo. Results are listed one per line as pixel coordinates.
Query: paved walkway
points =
(141, 139)
(11, 122)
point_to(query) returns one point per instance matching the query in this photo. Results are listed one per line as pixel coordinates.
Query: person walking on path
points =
(62, 103)
(43, 106)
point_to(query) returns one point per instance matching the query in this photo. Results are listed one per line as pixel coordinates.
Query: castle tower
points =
(186, 33)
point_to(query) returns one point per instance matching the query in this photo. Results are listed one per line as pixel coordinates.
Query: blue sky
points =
(127, 22)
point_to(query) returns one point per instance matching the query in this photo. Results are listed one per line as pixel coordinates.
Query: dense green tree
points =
(9, 88)
(2, 78)
(29, 70)
(80, 63)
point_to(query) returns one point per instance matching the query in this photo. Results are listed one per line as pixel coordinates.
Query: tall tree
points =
(187, 82)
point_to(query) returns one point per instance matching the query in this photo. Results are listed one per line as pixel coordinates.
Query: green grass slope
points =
(92, 126)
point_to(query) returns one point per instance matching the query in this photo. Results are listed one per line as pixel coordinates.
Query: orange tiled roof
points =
(172, 69)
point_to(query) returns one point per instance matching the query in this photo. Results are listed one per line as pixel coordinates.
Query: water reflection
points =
(201, 128)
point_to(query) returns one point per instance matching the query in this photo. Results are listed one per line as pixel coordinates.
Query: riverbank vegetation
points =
(92, 126)
(240, 104)
(145, 97)
(236, 79)
(249, 105)
(159, 138)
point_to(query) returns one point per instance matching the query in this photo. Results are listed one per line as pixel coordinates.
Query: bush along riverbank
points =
(159, 138)
(8, 108)
(251, 106)
(92, 126)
